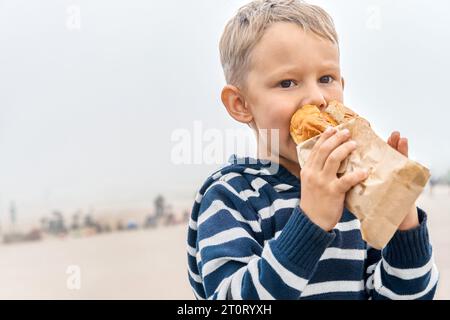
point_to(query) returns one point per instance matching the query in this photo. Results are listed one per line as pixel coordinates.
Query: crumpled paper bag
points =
(382, 201)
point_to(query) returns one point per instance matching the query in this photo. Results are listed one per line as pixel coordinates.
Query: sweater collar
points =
(281, 172)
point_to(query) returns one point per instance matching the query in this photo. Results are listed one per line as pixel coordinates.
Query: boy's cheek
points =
(288, 149)
(293, 152)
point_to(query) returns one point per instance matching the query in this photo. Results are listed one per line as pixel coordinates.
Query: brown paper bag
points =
(383, 200)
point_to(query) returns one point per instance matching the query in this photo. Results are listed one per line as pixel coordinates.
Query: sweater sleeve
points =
(236, 263)
(405, 268)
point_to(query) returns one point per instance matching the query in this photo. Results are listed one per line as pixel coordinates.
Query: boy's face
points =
(290, 68)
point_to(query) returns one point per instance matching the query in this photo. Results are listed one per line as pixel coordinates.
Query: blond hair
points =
(247, 27)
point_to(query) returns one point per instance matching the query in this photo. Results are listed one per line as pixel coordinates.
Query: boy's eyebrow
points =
(294, 69)
(283, 70)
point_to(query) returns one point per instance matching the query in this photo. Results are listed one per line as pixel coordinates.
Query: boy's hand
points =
(322, 192)
(401, 145)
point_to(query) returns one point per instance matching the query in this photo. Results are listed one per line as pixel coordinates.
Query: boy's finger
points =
(395, 137)
(324, 136)
(389, 141)
(328, 147)
(403, 146)
(348, 180)
(337, 156)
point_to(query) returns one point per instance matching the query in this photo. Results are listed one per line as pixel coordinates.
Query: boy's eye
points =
(326, 79)
(286, 83)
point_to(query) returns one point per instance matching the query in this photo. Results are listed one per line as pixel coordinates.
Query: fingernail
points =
(329, 129)
(345, 131)
(354, 143)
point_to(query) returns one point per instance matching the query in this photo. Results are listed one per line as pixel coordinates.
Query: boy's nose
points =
(318, 100)
(314, 95)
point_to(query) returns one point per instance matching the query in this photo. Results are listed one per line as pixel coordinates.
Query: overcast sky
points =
(92, 91)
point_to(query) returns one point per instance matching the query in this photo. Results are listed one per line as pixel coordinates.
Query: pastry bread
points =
(309, 121)
(340, 112)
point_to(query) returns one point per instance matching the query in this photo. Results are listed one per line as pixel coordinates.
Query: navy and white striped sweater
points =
(249, 239)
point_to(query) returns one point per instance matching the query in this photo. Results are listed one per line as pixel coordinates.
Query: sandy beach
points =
(141, 264)
(147, 264)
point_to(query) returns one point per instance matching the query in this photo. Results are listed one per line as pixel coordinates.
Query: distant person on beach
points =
(150, 221)
(267, 229)
(120, 226)
(433, 182)
(186, 215)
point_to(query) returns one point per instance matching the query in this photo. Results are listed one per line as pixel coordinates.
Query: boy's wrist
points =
(411, 221)
(410, 248)
(302, 242)
(319, 221)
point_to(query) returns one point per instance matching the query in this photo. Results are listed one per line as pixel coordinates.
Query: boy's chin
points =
(290, 156)
(293, 156)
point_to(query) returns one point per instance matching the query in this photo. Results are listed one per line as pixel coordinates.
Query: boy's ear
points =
(235, 104)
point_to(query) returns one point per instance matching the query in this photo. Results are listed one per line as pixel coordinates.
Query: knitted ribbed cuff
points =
(302, 242)
(409, 248)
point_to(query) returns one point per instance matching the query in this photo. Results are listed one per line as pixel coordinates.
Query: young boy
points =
(259, 233)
